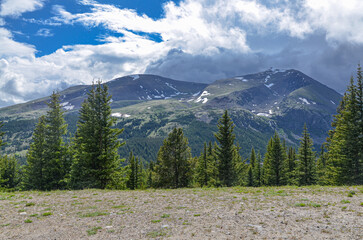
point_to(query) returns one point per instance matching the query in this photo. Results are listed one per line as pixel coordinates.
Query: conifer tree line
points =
(90, 158)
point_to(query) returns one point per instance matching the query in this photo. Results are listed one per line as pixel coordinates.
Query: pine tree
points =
(344, 163)
(56, 166)
(213, 165)
(225, 150)
(240, 168)
(251, 167)
(1, 135)
(36, 161)
(9, 172)
(150, 182)
(321, 166)
(291, 165)
(274, 165)
(359, 121)
(202, 168)
(133, 174)
(172, 168)
(256, 172)
(306, 166)
(96, 143)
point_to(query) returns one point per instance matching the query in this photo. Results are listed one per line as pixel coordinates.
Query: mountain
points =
(149, 106)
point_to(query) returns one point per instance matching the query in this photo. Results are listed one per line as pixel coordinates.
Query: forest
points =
(90, 158)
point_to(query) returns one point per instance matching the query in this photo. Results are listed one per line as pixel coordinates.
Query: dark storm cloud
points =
(331, 65)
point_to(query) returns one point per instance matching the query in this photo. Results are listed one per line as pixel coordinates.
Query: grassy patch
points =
(300, 205)
(94, 214)
(345, 201)
(28, 221)
(165, 215)
(155, 234)
(156, 221)
(93, 231)
(29, 204)
(47, 214)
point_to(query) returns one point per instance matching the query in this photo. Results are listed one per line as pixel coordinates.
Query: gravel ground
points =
(216, 213)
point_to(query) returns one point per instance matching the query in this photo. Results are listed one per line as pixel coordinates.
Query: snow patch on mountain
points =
(304, 100)
(269, 85)
(202, 97)
(134, 77)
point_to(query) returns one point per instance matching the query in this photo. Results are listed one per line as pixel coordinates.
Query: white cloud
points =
(44, 32)
(200, 40)
(16, 7)
(341, 20)
(11, 48)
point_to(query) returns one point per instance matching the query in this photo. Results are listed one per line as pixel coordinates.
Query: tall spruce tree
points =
(2, 143)
(96, 143)
(9, 172)
(226, 150)
(344, 157)
(132, 182)
(251, 167)
(172, 168)
(256, 172)
(359, 121)
(290, 166)
(203, 168)
(56, 165)
(36, 162)
(320, 166)
(306, 165)
(274, 166)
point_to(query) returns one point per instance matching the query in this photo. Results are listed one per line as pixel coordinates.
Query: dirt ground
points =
(223, 213)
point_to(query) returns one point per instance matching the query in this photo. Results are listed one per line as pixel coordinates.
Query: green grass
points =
(155, 221)
(300, 205)
(47, 214)
(29, 204)
(345, 201)
(93, 231)
(165, 215)
(94, 214)
(28, 221)
(155, 234)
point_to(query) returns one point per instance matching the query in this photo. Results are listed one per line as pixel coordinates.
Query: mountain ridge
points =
(149, 106)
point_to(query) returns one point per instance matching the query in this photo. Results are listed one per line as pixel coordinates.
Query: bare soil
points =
(216, 213)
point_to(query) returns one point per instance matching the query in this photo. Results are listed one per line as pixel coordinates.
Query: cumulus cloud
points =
(15, 8)
(201, 40)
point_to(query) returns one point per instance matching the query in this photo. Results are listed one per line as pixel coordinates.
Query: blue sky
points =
(53, 44)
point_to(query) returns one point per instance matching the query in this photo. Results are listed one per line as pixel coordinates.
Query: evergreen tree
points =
(252, 166)
(344, 163)
(202, 168)
(1, 135)
(133, 174)
(320, 166)
(150, 171)
(256, 171)
(358, 179)
(291, 165)
(306, 168)
(213, 165)
(172, 168)
(240, 168)
(9, 172)
(36, 162)
(274, 163)
(96, 143)
(48, 164)
(225, 150)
